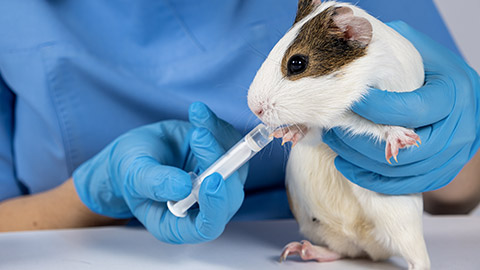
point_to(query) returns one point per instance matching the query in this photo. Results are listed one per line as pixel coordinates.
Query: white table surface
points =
(453, 243)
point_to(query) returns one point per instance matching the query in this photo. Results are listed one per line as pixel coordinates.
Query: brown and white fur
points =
(339, 217)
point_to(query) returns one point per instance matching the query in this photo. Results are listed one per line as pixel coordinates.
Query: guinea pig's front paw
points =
(397, 138)
(293, 133)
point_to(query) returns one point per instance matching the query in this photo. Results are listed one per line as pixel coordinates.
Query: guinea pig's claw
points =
(391, 151)
(398, 138)
(291, 134)
(278, 133)
(294, 143)
(291, 248)
(307, 251)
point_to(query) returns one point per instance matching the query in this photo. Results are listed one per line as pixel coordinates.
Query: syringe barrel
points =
(227, 164)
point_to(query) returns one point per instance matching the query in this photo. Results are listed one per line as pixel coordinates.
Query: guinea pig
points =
(329, 59)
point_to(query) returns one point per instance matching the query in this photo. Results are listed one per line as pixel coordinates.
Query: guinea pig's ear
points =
(305, 7)
(353, 28)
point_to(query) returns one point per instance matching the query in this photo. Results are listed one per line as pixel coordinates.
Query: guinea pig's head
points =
(307, 77)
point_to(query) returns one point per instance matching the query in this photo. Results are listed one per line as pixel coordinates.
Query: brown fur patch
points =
(325, 45)
(305, 7)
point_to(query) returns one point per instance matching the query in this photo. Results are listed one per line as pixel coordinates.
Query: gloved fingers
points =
(355, 146)
(360, 160)
(432, 180)
(200, 225)
(213, 210)
(201, 116)
(225, 134)
(205, 147)
(422, 107)
(363, 152)
(343, 143)
(146, 178)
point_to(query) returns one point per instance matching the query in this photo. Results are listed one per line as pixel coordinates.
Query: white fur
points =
(391, 63)
(353, 221)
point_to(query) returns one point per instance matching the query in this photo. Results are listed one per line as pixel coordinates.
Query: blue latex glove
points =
(444, 113)
(138, 172)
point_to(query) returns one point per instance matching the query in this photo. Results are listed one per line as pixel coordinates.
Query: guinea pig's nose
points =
(258, 112)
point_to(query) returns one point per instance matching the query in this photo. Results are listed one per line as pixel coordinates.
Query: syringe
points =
(227, 164)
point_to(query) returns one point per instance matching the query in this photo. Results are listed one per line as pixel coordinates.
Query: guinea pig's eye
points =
(297, 64)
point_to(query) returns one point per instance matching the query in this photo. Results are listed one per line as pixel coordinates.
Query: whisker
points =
(265, 56)
(286, 154)
(242, 115)
(300, 129)
(279, 33)
(226, 85)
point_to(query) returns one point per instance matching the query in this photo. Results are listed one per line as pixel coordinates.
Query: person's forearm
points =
(54, 209)
(461, 196)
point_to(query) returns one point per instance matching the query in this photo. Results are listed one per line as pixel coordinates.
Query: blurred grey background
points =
(463, 20)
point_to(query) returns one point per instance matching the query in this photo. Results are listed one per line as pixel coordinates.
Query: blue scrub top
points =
(77, 74)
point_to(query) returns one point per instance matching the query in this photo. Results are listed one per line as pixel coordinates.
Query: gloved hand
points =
(144, 168)
(444, 113)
